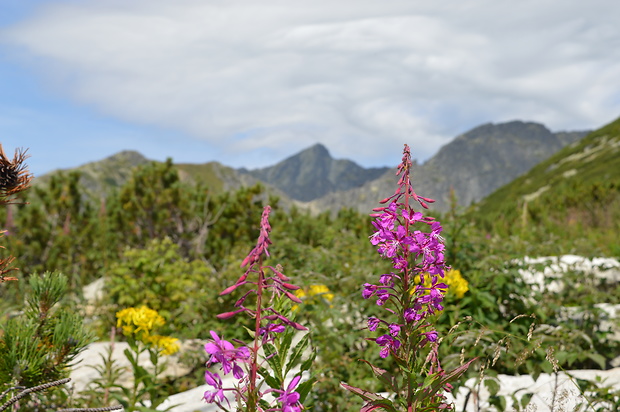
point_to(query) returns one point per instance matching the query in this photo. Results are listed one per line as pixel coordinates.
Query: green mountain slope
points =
(114, 171)
(97, 177)
(576, 191)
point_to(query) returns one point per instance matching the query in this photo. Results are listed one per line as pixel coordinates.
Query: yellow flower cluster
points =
(457, 285)
(310, 293)
(315, 290)
(140, 322)
(166, 344)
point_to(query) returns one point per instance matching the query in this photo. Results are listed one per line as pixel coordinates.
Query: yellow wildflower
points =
(457, 285)
(166, 344)
(315, 290)
(134, 320)
(308, 294)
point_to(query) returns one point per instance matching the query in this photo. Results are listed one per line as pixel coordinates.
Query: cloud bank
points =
(363, 77)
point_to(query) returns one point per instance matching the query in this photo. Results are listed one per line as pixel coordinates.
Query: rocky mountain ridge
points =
(473, 164)
(313, 173)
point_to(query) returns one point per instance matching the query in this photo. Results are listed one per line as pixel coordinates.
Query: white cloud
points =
(360, 76)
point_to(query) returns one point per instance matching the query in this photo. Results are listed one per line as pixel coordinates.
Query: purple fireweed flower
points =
(262, 280)
(224, 352)
(289, 398)
(388, 343)
(400, 237)
(373, 323)
(400, 263)
(383, 295)
(435, 296)
(431, 336)
(412, 217)
(227, 315)
(369, 290)
(285, 321)
(386, 280)
(272, 328)
(394, 329)
(214, 380)
(267, 331)
(412, 315)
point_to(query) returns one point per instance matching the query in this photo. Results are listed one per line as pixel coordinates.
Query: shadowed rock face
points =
(313, 173)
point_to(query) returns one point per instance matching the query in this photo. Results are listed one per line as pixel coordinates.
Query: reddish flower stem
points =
(252, 393)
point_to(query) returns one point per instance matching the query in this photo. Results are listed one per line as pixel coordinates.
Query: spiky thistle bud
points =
(14, 175)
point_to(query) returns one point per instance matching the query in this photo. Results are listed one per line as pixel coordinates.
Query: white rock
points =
(83, 372)
(567, 394)
(557, 266)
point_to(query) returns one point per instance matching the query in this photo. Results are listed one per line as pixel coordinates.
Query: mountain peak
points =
(487, 157)
(128, 156)
(318, 148)
(508, 130)
(316, 152)
(313, 173)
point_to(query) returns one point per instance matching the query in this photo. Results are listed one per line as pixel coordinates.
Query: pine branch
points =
(107, 408)
(3, 394)
(33, 389)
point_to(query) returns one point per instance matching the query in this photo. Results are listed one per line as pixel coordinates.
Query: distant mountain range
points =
(473, 164)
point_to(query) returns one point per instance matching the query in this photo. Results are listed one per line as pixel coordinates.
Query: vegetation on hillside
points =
(572, 198)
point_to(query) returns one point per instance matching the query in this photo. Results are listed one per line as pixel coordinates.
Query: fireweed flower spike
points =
(414, 244)
(268, 322)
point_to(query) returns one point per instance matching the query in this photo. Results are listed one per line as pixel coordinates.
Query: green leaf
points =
(598, 358)
(130, 358)
(525, 399)
(298, 351)
(308, 362)
(284, 343)
(364, 394)
(153, 356)
(499, 402)
(492, 385)
(303, 389)
(274, 359)
(250, 332)
(273, 382)
(384, 376)
(263, 404)
(546, 367)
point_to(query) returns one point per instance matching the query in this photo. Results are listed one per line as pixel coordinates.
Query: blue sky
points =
(248, 83)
